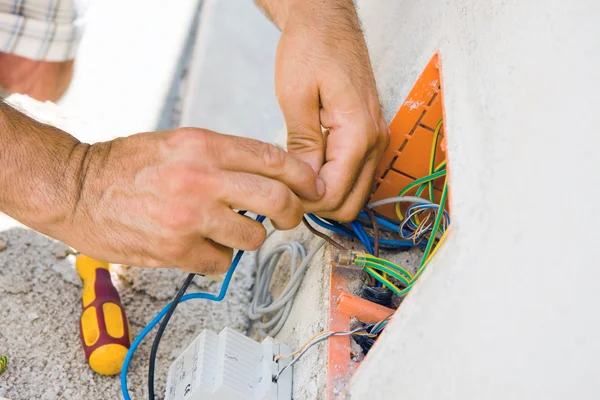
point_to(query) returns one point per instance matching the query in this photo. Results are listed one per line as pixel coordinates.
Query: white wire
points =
(271, 313)
(318, 339)
(399, 199)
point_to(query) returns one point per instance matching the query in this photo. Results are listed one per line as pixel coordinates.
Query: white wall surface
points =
(231, 84)
(509, 307)
(126, 63)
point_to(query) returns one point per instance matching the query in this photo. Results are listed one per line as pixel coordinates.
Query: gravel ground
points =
(40, 294)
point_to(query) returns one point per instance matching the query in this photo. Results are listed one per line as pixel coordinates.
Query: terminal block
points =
(230, 366)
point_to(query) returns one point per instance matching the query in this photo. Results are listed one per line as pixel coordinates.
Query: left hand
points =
(323, 78)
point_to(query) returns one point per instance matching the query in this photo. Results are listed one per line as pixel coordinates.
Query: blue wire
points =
(401, 244)
(326, 225)
(362, 235)
(384, 223)
(161, 314)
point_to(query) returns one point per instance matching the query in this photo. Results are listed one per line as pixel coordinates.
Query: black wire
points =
(161, 329)
(378, 295)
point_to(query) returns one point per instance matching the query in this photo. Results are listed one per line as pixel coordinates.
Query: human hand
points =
(323, 78)
(165, 199)
(40, 80)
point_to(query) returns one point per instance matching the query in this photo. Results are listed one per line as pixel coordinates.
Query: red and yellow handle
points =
(105, 333)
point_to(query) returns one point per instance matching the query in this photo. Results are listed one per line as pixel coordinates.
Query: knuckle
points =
(255, 237)
(180, 178)
(273, 157)
(302, 137)
(278, 198)
(197, 138)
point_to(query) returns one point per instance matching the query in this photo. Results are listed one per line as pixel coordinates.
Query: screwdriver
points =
(105, 333)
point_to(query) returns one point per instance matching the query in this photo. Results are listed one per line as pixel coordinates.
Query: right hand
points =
(165, 199)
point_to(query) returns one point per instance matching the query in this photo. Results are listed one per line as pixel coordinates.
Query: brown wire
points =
(322, 235)
(375, 231)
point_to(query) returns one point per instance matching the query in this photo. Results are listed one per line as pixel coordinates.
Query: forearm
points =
(279, 11)
(40, 170)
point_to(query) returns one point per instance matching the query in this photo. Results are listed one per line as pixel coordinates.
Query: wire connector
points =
(348, 259)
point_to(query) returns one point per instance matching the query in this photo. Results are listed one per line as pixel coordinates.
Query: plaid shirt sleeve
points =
(48, 30)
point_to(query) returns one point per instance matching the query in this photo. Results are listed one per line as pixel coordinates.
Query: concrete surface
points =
(39, 311)
(231, 86)
(507, 308)
(309, 314)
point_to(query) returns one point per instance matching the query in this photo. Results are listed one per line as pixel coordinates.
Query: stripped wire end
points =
(346, 258)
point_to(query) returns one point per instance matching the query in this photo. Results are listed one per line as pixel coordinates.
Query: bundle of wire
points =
(423, 226)
(165, 313)
(370, 331)
(271, 313)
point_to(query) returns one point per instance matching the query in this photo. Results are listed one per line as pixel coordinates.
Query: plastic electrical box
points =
(411, 140)
(230, 366)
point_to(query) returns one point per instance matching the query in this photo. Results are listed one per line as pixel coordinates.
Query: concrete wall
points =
(508, 308)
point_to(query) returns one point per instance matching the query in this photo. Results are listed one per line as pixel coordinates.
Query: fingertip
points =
(320, 187)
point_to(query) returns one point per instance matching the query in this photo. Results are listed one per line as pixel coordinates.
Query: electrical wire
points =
(316, 340)
(277, 309)
(343, 231)
(375, 231)
(398, 199)
(323, 236)
(377, 295)
(368, 331)
(160, 332)
(207, 296)
(416, 183)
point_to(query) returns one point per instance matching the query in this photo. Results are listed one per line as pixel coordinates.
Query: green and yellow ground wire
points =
(422, 182)
(3, 363)
(374, 264)
(434, 145)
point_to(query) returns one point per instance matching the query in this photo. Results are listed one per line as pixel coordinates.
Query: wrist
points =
(39, 171)
(283, 11)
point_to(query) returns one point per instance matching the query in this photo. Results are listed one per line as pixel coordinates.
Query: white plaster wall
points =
(509, 307)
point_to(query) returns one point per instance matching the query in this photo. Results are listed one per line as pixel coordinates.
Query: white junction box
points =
(230, 366)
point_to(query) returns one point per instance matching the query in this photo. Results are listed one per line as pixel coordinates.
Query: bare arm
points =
(40, 171)
(323, 78)
(155, 199)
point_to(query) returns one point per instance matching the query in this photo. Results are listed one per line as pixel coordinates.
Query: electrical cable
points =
(362, 235)
(278, 308)
(341, 230)
(160, 332)
(398, 199)
(323, 236)
(375, 232)
(367, 331)
(207, 296)
(377, 295)
(416, 183)
(319, 338)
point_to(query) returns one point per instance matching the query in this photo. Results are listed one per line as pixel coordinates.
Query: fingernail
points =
(320, 187)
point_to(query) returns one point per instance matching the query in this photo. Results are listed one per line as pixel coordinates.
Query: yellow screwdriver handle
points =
(105, 333)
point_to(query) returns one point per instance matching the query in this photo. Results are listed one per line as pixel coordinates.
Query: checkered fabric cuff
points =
(48, 30)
